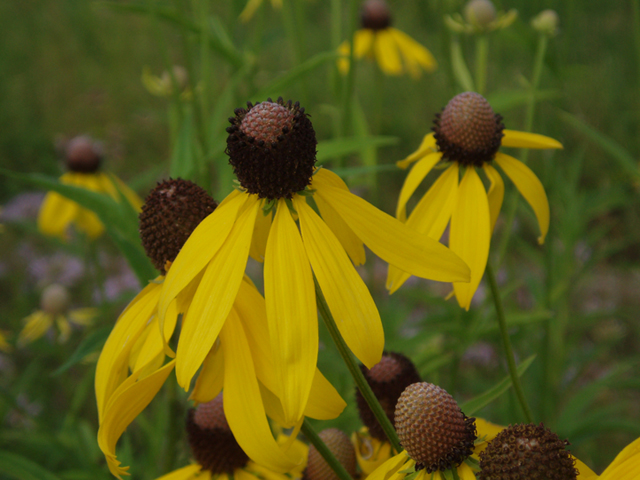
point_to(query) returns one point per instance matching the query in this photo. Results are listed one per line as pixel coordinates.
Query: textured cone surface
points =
(375, 15)
(387, 379)
(341, 447)
(468, 131)
(272, 148)
(431, 427)
(171, 212)
(527, 452)
(212, 443)
(83, 155)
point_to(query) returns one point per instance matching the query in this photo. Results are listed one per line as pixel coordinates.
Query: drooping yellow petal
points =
(249, 9)
(260, 235)
(325, 403)
(465, 472)
(129, 194)
(626, 465)
(415, 56)
(393, 241)
(347, 238)
(211, 377)
(413, 180)
(185, 473)
(427, 146)
(470, 233)
(495, 194)
(370, 452)
(83, 316)
(215, 295)
(530, 187)
(386, 52)
(513, 138)
(35, 327)
(242, 401)
(199, 249)
(88, 222)
(112, 365)
(242, 474)
(363, 40)
(55, 215)
(348, 298)
(389, 469)
(584, 472)
(291, 313)
(151, 354)
(430, 216)
(126, 403)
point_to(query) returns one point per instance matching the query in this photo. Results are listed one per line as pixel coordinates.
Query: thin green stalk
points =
(482, 54)
(459, 66)
(506, 342)
(293, 24)
(322, 448)
(635, 8)
(355, 371)
(351, 75)
(541, 50)
(173, 431)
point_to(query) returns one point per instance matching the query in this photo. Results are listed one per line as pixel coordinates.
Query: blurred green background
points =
(70, 67)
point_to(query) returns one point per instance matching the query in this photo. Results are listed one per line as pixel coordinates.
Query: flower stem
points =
(351, 74)
(355, 371)
(506, 342)
(482, 52)
(322, 448)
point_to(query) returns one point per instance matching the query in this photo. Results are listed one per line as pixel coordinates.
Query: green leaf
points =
(218, 38)
(343, 146)
(505, 101)
(482, 400)
(459, 66)
(91, 343)
(293, 75)
(20, 468)
(119, 218)
(626, 161)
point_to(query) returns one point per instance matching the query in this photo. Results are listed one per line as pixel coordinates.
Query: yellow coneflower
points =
(57, 213)
(467, 136)
(272, 147)
(54, 310)
(395, 51)
(130, 370)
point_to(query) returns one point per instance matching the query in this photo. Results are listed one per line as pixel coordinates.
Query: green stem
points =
(355, 371)
(541, 50)
(293, 23)
(322, 448)
(502, 322)
(482, 53)
(173, 432)
(635, 7)
(351, 75)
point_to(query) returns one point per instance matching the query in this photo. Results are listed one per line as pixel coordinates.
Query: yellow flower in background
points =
(57, 213)
(54, 309)
(162, 86)
(5, 346)
(395, 51)
(441, 442)
(467, 135)
(626, 465)
(217, 454)
(131, 368)
(252, 5)
(272, 147)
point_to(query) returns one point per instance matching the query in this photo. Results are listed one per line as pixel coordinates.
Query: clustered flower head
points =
(395, 52)
(479, 17)
(467, 136)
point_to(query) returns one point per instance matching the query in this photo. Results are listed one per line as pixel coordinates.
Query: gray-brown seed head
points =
(212, 443)
(432, 428)
(387, 379)
(340, 445)
(83, 154)
(170, 214)
(527, 452)
(272, 148)
(375, 15)
(468, 131)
